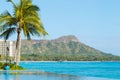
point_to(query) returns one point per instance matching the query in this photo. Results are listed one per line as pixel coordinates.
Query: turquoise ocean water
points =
(109, 70)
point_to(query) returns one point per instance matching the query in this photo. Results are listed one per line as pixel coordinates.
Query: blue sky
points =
(94, 22)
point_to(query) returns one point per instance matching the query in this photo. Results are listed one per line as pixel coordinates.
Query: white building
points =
(6, 48)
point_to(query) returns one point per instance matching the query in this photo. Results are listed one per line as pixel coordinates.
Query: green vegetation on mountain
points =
(64, 48)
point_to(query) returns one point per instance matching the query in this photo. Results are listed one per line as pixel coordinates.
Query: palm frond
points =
(28, 36)
(33, 31)
(33, 8)
(30, 10)
(12, 2)
(37, 24)
(3, 27)
(24, 3)
(30, 31)
(6, 21)
(7, 33)
(4, 16)
(9, 0)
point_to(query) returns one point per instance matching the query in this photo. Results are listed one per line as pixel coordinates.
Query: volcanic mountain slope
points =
(63, 47)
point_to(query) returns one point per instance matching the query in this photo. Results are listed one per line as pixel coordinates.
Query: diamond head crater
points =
(65, 48)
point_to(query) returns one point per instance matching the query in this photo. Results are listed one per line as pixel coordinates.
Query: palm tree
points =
(24, 19)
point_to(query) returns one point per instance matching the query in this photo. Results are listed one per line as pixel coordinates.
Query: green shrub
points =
(15, 67)
(12, 66)
(1, 65)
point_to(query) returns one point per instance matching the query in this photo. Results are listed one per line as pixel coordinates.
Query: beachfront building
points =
(6, 48)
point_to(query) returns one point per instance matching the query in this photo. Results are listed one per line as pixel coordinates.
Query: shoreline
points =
(65, 61)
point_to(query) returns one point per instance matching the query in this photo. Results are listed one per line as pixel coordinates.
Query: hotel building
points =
(7, 48)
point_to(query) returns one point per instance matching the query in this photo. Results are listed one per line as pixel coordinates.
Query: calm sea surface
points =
(67, 71)
(90, 69)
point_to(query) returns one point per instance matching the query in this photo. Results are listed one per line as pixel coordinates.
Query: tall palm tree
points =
(24, 19)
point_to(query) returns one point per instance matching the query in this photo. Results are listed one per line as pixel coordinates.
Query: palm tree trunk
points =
(15, 57)
(18, 47)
